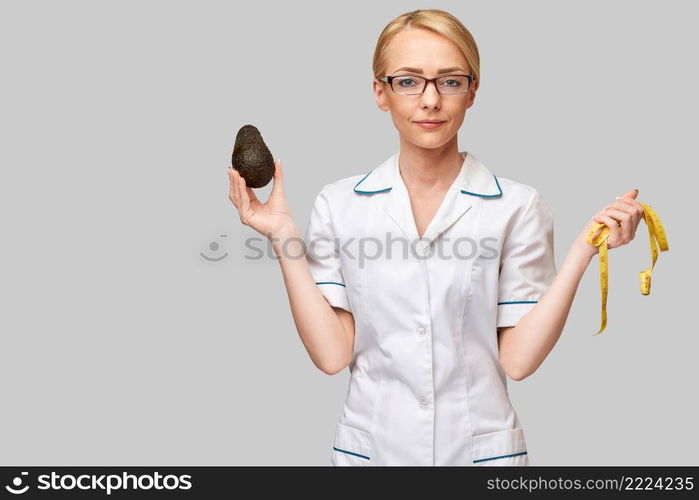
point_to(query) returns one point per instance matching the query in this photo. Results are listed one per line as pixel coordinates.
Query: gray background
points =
(121, 345)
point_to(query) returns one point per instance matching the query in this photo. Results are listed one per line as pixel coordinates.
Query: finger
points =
(617, 207)
(631, 194)
(233, 192)
(627, 209)
(618, 215)
(604, 209)
(626, 222)
(634, 214)
(614, 235)
(252, 195)
(241, 189)
(277, 183)
(245, 201)
(624, 205)
(236, 188)
(635, 206)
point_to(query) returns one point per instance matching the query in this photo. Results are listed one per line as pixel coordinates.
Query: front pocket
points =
(506, 447)
(352, 446)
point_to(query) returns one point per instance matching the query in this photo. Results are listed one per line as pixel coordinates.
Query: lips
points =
(430, 121)
(429, 125)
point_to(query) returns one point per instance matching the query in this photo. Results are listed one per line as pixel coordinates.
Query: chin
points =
(431, 140)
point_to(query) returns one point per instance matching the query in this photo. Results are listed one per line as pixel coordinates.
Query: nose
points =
(430, 96)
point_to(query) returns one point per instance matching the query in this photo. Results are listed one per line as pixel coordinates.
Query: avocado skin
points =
(252, 158)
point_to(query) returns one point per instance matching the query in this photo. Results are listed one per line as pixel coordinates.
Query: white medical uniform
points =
(426, 386)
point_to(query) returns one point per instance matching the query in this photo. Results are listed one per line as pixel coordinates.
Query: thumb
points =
(278, 176)
(631, 194)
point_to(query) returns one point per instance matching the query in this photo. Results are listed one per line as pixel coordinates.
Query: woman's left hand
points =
(621, 217)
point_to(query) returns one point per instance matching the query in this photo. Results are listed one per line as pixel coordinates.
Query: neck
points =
(429, 169)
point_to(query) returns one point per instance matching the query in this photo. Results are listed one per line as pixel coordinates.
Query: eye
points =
(456, 83)
(405, 82)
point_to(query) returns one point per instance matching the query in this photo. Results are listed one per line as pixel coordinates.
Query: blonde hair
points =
(437, 21)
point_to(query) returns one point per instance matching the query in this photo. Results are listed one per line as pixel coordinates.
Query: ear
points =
(380, 95)
(472, 94)
(471, 98)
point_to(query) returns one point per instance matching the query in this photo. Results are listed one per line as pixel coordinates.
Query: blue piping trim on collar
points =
(487, 195)
(360, 181)
(465, 192)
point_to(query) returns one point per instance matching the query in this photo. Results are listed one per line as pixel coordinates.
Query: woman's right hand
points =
(267, 218)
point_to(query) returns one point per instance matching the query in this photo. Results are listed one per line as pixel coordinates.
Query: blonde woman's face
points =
(429, 52)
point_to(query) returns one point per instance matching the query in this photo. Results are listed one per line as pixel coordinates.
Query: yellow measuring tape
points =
(655, 232)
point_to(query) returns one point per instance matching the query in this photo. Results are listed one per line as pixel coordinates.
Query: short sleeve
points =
(323, 255)
(527, 264)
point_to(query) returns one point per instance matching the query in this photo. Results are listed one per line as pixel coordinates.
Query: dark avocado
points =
(252, 158)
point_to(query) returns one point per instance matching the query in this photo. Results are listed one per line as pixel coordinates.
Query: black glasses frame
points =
(389, 79)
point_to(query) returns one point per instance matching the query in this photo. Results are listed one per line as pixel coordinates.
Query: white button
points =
(422, 248)
(423, 403)
(421, 330)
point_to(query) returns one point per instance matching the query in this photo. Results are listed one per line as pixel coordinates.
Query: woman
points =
(429, 276)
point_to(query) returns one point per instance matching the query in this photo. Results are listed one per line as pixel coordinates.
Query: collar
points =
(474, 178)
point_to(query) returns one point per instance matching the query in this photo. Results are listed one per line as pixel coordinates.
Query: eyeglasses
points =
(416, 85)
